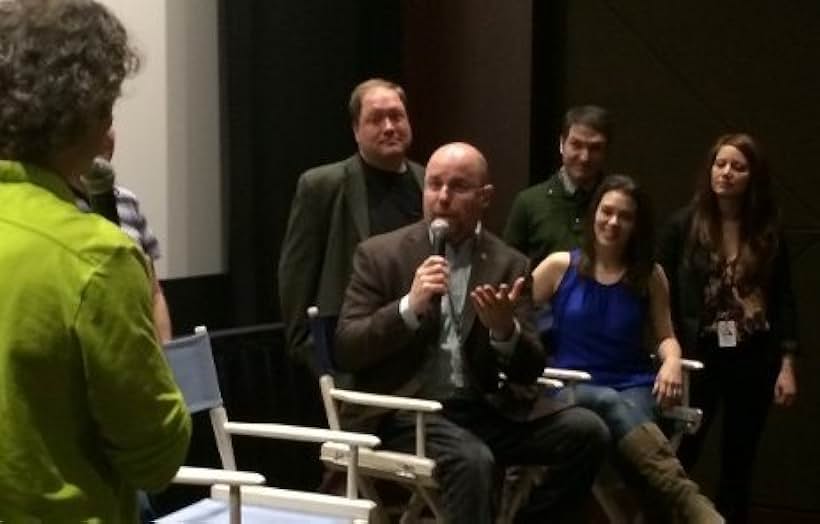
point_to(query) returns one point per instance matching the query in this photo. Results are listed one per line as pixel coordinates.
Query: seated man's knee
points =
(590, 430)
(581, 445)
(472, 462)
(478, 458)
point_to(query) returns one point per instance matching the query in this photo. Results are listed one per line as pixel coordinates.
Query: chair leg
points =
(675, 440)
(421, 498)
(612, 495)
(433, 503)
(235, 502)
(379, 514)
(415, 506)
(518, 483)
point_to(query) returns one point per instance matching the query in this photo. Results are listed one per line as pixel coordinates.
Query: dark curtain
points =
(287, 70)
(549, 63)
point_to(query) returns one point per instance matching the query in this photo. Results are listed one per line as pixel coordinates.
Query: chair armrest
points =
(551, 383)
(301, 433)
(546, 382)
(690, 417)
(386, 401)
(300, 501)
(208, 476)
(567, 375)
(686, 364)
(691, 365)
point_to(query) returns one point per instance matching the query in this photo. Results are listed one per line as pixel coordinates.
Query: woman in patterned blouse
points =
(733, 308)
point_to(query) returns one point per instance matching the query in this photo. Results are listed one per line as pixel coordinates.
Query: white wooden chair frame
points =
(413, 471)
(237, 487)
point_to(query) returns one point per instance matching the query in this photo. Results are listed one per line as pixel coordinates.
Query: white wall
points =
(167, 124)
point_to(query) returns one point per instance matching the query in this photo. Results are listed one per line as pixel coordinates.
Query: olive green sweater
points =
(546, 218)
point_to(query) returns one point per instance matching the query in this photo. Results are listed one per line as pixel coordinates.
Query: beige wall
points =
(167, 123)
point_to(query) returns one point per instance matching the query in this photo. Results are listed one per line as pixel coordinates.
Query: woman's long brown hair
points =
(759, 220)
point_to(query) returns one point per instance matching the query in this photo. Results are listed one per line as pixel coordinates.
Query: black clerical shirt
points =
(393, 199)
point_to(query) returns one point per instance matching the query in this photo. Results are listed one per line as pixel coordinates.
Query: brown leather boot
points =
(647, 452)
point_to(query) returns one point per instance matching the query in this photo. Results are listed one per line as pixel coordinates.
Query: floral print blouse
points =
(727, 297)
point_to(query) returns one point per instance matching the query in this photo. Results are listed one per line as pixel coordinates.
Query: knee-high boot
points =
(647, 453)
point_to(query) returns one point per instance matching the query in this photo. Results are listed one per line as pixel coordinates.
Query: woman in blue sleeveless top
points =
(604, 297)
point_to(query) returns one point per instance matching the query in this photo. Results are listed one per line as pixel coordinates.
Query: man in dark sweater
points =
(548, 217)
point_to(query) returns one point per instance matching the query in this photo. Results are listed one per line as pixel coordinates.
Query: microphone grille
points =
(101, 165)
(440, 227)
(100, 178)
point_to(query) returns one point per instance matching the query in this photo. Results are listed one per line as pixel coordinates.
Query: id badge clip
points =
(727, 333)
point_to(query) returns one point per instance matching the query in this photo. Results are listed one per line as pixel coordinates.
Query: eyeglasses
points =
(456, 187)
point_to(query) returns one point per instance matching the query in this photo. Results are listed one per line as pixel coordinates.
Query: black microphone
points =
(440, 229)
(99, 186)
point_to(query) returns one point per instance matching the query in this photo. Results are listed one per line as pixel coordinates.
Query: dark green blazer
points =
(328, 218)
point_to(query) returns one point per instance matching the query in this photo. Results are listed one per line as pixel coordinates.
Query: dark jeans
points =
(742, 381)
(469, 441)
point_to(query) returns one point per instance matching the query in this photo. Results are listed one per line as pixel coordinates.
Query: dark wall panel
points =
(676, 75)
(467, 71)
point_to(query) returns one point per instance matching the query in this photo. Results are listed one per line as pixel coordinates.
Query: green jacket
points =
(545, 218)
(89, 411)
(328, 219)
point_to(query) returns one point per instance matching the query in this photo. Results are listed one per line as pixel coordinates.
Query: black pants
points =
(742, 381)
(469, 441)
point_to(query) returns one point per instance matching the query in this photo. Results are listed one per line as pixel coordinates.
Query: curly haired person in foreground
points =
(89, 410)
